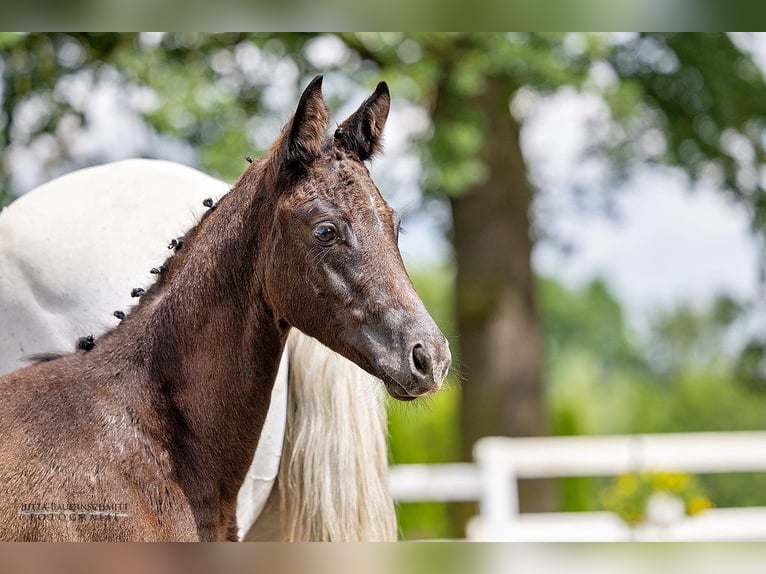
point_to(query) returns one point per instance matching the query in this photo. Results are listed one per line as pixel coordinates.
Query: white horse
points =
(71, 252)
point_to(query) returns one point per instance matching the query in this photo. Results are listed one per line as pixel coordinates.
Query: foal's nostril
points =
(421, 360)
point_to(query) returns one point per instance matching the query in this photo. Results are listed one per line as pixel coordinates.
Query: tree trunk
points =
(500, 339)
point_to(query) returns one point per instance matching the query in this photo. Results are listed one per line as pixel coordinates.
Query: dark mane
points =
(42, 358)
(172, 263)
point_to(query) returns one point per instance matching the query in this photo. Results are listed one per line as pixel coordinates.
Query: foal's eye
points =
(326, 233)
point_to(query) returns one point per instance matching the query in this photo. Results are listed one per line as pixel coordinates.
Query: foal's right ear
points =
(301, 139)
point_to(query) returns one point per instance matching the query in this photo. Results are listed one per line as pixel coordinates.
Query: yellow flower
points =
(672, 482)
(608, 498)
(632, 516)
(627, 484)
(699, 504)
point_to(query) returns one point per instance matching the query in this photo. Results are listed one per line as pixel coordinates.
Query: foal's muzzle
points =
(422, 372)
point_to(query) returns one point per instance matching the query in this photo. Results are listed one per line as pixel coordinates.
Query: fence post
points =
(499, 498)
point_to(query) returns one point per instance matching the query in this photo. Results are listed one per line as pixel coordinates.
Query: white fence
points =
(500, 462)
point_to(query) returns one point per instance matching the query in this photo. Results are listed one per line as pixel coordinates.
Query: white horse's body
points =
(72, 250)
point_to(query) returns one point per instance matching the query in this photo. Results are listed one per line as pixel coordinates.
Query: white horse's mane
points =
(330, 488)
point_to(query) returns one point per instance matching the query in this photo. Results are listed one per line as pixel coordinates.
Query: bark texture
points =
(500, 338)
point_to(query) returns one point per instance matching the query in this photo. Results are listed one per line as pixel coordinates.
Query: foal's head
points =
(335, 271)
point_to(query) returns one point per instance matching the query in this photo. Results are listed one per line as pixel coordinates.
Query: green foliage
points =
(751, 366)
(582, 401)
(202, 96)
(198, 92)
(423, 432)
(586, 319)
(8, 39)
(5, 197)
(451, 75)
(686, 337)
(585, 343)
(455, 165)
(600, 381)
(694, 403)
(426, 432)
(697, 92)
(691, 100)
(706, 97)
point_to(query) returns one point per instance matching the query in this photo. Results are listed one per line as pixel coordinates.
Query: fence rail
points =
(500, 462)
(456, 482)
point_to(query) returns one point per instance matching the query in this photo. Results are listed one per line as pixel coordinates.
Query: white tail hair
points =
(333, 478)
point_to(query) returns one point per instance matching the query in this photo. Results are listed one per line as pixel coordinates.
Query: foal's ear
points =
(301, 140)
(362, 132)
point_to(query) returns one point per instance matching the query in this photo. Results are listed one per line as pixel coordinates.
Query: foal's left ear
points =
(362, 132)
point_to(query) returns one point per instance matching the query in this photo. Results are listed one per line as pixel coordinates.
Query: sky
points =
(667, 244)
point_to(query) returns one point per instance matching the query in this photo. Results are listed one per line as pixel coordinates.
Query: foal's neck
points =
(216, 345)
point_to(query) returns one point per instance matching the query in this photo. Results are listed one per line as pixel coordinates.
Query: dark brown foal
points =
(146, 433)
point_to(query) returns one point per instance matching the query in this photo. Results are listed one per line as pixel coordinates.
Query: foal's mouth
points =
(394, 388)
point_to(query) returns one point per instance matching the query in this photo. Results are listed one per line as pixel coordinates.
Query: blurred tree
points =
(751, 365)
(586, 342)
(588, 318)
(690, 100)
(686, 338)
